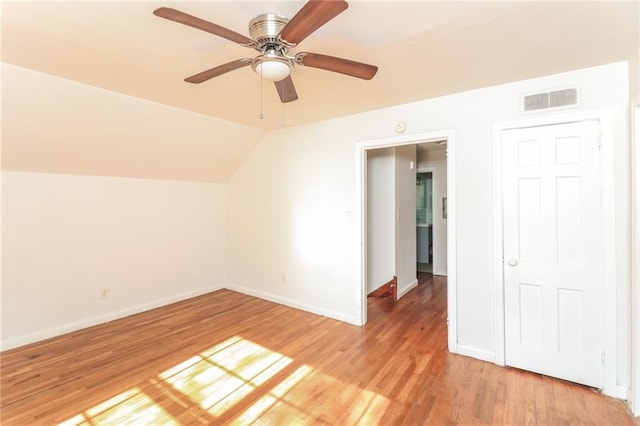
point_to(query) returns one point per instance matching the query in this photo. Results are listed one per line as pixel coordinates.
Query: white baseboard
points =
(474, 352)
(406, 288)
(294, 304)
(59, 330)
(621, 392)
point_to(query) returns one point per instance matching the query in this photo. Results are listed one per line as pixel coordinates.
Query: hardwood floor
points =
(227, 358)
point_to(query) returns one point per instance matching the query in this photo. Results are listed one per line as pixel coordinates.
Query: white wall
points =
(66, 237)
(391, 217)
(69, 231)
(437, 159)
(405, 205)
(302, 181)
(291, 214)
(381, 217)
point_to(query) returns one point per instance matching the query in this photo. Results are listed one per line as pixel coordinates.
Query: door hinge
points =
(599, 138)
(603, 356)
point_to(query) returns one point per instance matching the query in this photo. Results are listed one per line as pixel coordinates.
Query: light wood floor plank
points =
(227, 358)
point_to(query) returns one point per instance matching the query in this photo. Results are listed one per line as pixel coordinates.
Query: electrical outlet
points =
(283, 278)
(105, 293)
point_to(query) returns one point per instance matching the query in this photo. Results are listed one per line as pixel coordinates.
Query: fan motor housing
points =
(264, 29)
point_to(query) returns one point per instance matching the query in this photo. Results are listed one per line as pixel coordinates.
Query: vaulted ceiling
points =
(423, 49)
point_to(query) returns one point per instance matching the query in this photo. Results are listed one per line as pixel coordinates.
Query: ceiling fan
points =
(273, 36)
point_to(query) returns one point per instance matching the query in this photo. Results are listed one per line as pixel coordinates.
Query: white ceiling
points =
(423, 50)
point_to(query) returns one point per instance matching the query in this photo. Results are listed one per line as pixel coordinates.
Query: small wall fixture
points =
(400, 127)
(444, 207)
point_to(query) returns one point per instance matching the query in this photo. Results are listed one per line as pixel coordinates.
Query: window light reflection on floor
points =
(129, 407)
(289, 402)
(268, 401)
(220, 377)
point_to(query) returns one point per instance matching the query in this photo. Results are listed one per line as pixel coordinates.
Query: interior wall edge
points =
(270, 297)
(402, 290)
(119, 177)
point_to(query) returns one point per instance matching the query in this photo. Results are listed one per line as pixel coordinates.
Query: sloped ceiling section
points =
(55, 125)
(97, 88)
(424, 49)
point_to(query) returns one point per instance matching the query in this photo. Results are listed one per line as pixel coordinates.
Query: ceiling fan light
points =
(273, 70)
(272, 65)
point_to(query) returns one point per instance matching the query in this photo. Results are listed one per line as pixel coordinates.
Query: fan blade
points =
(343, 66)
(219, 70)
(286, 90)
(201, 24)
(312, 16)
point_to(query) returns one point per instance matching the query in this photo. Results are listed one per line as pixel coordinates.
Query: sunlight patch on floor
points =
(209, 384)
(304, 397)
(220, 378)
(367, 409)
(268, 401)
(128, 408)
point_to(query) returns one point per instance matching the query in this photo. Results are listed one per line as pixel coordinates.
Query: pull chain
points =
(261, 114)
(283, 123)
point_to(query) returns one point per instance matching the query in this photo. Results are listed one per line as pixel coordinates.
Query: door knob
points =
(513, 262)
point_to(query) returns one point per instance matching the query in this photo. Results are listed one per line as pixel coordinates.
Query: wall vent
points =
(553, 99)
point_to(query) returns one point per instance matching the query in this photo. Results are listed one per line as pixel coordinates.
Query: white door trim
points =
(634, 397)
(604, 118)
(360, 215)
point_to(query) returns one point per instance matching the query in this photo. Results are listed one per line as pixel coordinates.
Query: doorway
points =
(361, 215)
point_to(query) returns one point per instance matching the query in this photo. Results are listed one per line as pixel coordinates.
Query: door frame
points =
(634, 397)
(604, 118)
(360, 213)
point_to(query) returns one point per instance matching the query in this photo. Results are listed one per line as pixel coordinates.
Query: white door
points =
(553, 255)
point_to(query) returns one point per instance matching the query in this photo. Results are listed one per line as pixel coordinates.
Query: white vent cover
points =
(554, 99)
